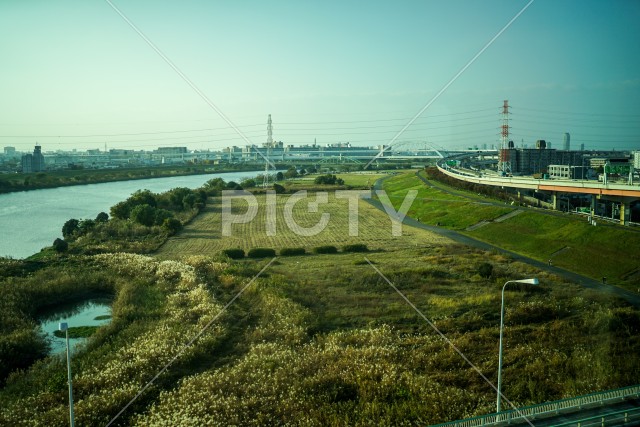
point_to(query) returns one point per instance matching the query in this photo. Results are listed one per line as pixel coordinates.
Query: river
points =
(31, 220)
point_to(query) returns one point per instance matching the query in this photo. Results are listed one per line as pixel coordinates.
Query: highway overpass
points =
(624, 194)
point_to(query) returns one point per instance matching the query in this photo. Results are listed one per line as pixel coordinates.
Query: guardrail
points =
(624, 416)
(548, 408)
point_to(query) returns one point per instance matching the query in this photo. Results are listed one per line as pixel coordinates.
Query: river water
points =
(31, 220)
(92, 312)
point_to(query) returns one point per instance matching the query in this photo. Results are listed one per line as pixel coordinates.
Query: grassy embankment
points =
(320, 339)
(568, 240)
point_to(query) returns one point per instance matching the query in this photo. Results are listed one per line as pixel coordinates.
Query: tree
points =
(85, 226)
(215, 183)
(248, 183)
(143, 197)
(144, 214)
(279, 176)
(171, 226)
(329, 179)
(292, 172)
(177, 196)
(189, 201)
(70, 228)
(232, 185)
(160, 215)
(120, 210)
(60, 245)
(102, 217)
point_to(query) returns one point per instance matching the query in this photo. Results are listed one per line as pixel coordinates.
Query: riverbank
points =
(44, 212)
(10, 183)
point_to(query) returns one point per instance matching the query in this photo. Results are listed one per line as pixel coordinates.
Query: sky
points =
(75, 75)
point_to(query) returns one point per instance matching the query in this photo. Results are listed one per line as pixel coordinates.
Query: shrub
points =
(60, 245)
(70, 227)
(234, 253)
(279, 189)
(485, 270)
(357, 247)
(248, 183)
(102, 217)
(261, 253)
(144, 214)
(292, 251)
(172, 226)
(325, 250)
(160, 216)
(328, 179)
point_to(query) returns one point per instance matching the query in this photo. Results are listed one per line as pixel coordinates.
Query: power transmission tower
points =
(265, 182)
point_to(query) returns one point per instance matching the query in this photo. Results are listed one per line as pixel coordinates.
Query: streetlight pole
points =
(533, 281)
(64, 327)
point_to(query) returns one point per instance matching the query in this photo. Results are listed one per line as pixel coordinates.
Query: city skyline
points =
(77, 76)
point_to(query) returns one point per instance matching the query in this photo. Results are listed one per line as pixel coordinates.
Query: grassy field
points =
(433, 206)
(571, 243)
(316, 339)
(354, 180)
(203, 236)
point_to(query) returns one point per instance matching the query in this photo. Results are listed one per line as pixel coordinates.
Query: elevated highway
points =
(619, 407)
(624, 194)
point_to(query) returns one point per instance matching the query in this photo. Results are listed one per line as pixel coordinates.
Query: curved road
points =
(587, 282)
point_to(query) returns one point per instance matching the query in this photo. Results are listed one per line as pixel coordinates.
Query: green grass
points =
(77, 332)
(613, 252)
(353, 179)
(435, 207)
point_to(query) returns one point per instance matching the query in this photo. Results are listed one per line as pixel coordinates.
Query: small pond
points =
(90, 312)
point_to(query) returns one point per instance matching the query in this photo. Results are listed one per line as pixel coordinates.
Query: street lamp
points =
(64, 327)
(533, 281)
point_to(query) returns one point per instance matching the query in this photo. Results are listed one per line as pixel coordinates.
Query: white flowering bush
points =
(102, 389)
(342, 378)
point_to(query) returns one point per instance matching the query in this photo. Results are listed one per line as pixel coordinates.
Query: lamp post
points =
(533, 281)
(64, 327)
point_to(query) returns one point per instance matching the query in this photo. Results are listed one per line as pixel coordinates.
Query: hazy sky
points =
(74, 74)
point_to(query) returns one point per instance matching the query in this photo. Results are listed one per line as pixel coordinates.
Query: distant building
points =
(27, 163)
(9, 151)
(566, 142)
(172, 150)
(567, 172)
(33, 162)
(536, 160)
(636, 160)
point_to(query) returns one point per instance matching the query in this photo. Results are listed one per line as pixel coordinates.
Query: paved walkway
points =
(587, 282)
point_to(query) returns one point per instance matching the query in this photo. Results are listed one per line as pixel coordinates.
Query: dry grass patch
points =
(203, 236)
